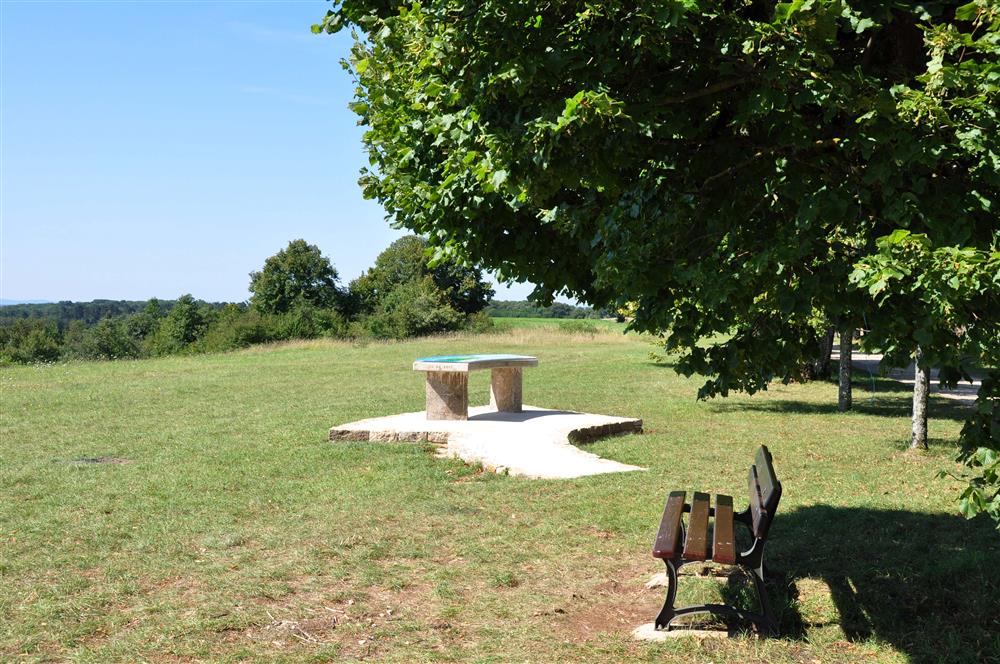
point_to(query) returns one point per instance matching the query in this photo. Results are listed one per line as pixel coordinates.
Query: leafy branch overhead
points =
(726, 168)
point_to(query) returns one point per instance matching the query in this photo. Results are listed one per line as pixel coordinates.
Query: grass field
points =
(218, 522)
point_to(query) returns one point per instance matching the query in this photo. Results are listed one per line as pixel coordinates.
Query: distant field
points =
(191, 508)
(567, 324)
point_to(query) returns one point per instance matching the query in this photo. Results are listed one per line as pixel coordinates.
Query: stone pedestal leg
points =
(447, 395)
(505, 390)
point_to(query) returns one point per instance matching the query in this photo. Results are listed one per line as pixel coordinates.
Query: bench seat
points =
(710, 537)
(720, 548)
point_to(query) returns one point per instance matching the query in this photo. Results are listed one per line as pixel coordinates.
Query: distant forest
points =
(295, 295)
(526, 309)
(90, 313)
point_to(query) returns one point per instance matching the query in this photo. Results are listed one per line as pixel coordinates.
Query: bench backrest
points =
(765, 492)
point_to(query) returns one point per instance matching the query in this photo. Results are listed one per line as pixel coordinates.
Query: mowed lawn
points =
(220, 524)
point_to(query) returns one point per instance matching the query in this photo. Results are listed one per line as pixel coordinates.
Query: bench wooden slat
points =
(668, 538)
(696, 545)
(766, 477)
(724, 540)
(758, 513)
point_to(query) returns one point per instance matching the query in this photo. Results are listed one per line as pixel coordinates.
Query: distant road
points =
(872, 364)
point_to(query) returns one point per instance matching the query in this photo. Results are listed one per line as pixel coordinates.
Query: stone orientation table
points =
(448, 382)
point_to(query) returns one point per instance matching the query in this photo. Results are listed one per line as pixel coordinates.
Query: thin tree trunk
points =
(846, 351)
(921, 388)
(819, 368)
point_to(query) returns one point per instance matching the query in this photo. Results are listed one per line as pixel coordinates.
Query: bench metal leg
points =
(753, 560)
(763, 623)
(767, 623)
(667, 613)
(764, 620)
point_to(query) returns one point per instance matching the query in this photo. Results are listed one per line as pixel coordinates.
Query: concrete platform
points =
(536, 442)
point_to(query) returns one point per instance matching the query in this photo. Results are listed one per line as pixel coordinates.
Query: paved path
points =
(534, 443)
(871, 364)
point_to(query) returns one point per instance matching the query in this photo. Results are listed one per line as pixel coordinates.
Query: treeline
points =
(296, 295)
(157, 329)
(526, 309)
(88, 313)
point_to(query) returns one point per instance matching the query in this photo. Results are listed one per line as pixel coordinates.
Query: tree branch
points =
(830, 142)
(704, 92)
(686, 96)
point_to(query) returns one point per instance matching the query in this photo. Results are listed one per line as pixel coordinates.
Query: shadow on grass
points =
(886, 406)
(926, 583)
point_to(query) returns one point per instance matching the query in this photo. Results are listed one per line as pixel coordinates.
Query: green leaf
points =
(863, 24)
(967, 12)
(784, 11)
(499, 177)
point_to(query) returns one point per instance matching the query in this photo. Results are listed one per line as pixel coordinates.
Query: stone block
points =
(347, 434)
(447, 395)
(506, 388)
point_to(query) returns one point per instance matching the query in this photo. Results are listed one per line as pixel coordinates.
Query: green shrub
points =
(479, 322)
(331, 323)
(144, 323)
(980, 452)
(74, 339)
(186, 323)
(29, 341)
(307, 322)
(407, 261)
(412, 309)
(110, 339)
(578, 327)
(238, 328)
(358, 330)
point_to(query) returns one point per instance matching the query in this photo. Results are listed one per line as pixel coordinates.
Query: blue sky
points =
(160, 148)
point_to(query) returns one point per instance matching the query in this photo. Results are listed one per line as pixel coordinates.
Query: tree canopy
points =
(406, 261)
(298, 274)
(729, 168)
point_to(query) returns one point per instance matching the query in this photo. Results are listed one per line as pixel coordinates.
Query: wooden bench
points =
(448, 382)
(678, 546)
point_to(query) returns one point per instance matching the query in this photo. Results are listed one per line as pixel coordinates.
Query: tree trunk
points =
(921, 388)
(819, 368)
(846, 350)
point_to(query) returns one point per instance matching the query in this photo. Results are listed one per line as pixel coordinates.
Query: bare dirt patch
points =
(616, 605)
(315, 629)
(601, 534)
(102, 460)
(359, 626)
